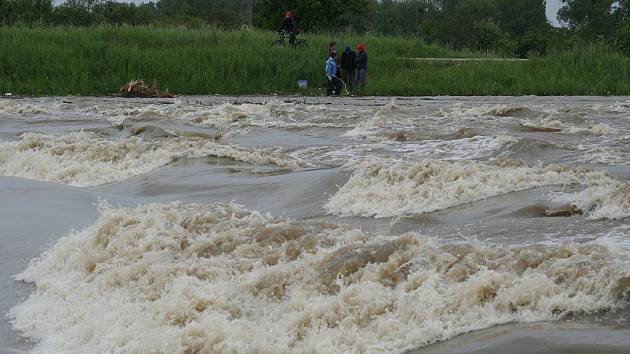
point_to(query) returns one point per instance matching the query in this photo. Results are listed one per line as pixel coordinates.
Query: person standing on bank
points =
(348, 66)
(362, 65)
(334, 85)
(332, 48)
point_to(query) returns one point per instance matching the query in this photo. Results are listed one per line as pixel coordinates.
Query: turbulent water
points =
(270, 225)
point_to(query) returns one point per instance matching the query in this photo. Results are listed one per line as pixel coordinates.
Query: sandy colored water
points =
(285, 224)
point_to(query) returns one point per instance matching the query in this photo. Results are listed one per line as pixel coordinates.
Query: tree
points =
(223, 13)
(324, 15)
(73, 13)
(28, 12)
(491, 37)
(520, 17)
(589, 18)
(460, 23)
(623, 38)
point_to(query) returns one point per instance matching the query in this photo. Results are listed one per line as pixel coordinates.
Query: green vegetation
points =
(511, 27)
(99, 60)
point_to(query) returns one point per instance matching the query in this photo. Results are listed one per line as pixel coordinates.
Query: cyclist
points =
(290, 27)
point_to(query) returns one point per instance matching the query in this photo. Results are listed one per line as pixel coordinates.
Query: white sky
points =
(552, 11)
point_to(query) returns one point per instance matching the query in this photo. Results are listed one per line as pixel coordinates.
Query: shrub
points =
(490, 37)
(623, 38)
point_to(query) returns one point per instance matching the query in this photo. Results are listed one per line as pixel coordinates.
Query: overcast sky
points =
(552, 8)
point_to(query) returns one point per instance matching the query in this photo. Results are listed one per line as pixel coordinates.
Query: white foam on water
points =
(617, 107)
(226, 116)
(384, 119)
(174, 278)
(607, 201)
(605, 155)
(466, 148)
(547, 123)
(488, 111)
(477, 147)
(223, 116)
(601, 129)
(23, 108)
(84, 159)
(389, 188)
(550, 123)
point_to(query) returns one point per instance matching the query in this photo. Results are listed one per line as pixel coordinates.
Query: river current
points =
(315, 225)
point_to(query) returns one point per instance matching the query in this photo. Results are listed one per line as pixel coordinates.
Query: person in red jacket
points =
(362, 65)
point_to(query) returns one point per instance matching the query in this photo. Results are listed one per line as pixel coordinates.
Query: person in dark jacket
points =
(362, 65)
(348, 66)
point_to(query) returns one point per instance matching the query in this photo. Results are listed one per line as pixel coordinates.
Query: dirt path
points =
(463, 59)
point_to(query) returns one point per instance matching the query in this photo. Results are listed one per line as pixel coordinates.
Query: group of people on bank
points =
(348, 69)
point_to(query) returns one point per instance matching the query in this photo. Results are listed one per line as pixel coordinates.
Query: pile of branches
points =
(137, 88)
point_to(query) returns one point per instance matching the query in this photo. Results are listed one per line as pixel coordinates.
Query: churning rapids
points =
(309, 225)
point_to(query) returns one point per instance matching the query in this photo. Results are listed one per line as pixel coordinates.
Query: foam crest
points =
(385, 118)
(617, 107)
(23, 108)
(389, 188)
(606, 155)
(466, 148)
(461, 111)
(84, 159)
(551, 125)
(224, 116)
(217, 278)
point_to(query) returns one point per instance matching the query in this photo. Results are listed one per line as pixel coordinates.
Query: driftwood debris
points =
(564, 211)
(137, 88)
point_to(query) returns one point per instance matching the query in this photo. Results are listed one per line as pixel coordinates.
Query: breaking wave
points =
(224, 116)
(615, 152)
(618, 107)
(390, 188)
(84, 159)
(499, 110)
(23, 108)
(555, 126)
(609, 201)
(180, 278)
(384, 119)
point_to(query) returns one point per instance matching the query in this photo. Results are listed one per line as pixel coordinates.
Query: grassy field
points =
(98, 61)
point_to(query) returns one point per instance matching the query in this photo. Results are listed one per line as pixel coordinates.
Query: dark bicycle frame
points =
(293, 41)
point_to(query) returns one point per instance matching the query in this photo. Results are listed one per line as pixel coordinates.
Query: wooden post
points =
(249, 12)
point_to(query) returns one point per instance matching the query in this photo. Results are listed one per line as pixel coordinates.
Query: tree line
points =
(512, 27)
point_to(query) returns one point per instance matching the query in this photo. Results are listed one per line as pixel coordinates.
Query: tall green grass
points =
(99, 60)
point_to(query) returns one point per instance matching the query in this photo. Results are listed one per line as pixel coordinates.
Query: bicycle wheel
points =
(301, 43)
(278, 43)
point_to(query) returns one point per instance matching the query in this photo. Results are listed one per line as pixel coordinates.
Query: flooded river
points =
(303, 225)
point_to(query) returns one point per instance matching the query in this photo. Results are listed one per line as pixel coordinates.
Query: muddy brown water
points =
(371, 224)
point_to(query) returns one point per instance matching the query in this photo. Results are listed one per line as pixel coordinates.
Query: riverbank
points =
(99, 60)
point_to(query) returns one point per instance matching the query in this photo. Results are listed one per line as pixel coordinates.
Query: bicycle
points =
(290, 40)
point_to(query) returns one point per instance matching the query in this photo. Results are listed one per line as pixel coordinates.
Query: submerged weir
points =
(363, 225)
